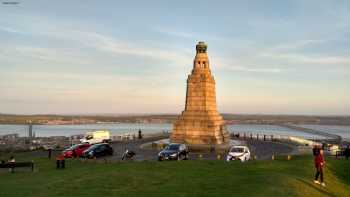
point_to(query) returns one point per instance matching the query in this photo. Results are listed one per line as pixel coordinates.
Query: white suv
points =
(241, 153)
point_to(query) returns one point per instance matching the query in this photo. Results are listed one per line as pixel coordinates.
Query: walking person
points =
(319, 164)
(12, 162)
(60, 162)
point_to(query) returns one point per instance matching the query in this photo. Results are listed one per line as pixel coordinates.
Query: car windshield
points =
(73, 147)
(172, 147)
(93, 147)
(237, 150)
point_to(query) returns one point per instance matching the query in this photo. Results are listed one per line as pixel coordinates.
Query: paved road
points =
(262, 149)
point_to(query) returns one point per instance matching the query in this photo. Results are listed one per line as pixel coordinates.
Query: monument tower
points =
(200, 123)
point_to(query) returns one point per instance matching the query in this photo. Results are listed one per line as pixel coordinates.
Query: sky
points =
(122, 57)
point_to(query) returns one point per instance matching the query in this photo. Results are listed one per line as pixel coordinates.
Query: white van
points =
(95, 137)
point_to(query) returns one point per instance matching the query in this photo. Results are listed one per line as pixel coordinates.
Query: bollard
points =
(255, 157)
(289, 157)
(200, 156)
(273, 157)
(264, 137)
(251, 136)
(218, 156)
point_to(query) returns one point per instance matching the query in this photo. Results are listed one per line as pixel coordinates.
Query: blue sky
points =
(268, 57)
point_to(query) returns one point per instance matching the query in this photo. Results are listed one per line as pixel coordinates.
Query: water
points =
(121, 128)
(343, 131)
(68, 130)
(270, 130)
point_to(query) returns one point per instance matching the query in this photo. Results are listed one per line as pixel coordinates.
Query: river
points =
(121, 128)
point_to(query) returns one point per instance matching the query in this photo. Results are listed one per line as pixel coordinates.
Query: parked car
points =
(95, 137)
(331, 149)
(241, 153)
(173, 152)
(98, 150)
(75, 150)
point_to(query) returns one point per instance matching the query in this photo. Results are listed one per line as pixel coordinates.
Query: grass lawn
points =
(183, 178)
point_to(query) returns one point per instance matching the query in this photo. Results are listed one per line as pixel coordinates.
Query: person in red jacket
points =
(319, 164)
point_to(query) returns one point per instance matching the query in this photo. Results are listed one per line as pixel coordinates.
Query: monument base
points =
(196, 148)
(219, 148)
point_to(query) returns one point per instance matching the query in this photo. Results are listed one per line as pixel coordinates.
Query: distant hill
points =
(169, 118)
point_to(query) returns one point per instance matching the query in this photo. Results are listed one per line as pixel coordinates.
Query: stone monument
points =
(200, 123)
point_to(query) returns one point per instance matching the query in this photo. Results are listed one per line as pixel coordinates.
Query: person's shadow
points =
(315, 187)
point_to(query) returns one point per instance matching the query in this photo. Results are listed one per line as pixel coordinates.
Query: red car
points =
(75, 150)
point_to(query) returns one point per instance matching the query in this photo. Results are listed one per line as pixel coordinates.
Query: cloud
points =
(95, 40)
(299, 44)
(304, 59)
(10, 30)
(109, 44)
(175, 33)
(239, 65)
(258, 70)
(189, 35)
(46, 54)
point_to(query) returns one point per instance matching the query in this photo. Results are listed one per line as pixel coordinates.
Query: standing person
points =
(50, 153)
(319, 164)
(347, 152)
(12, 162)
(140, 134)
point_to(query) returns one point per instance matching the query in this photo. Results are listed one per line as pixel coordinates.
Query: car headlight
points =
(173, 155)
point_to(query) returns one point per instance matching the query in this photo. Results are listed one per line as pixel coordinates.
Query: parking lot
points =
(261, 149)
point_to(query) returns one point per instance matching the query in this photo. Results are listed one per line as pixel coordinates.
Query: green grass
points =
(184, 178)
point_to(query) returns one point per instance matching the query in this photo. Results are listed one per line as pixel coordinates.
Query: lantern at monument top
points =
(201, 59)
(201, 47)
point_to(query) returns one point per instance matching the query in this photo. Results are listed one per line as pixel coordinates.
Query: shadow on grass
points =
(310, 184)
